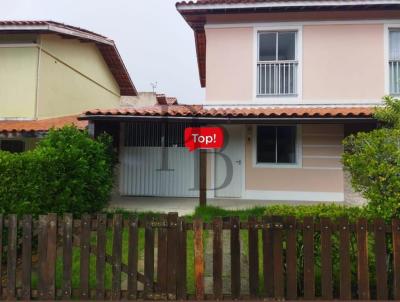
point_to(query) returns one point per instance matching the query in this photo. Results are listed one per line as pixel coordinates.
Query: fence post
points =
(182, 256)
(308, 240)
(278, 257)
(396, 258)
(148, 258)
(67, 256)
(162, 259)
(51, 256)
(172, 244)
(235, 257)
(291, 258)
(380, 259)
(117, 256)
(268, 262)
(198, 258)
(217, 258)
(26, 257)
(85, 256)
(12, 256)
(362, 259)
(344, 259)
(253, 256)
(101, 255)
(133, 258)
(326, 258)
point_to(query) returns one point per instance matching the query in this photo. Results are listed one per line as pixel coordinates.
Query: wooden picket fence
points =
(37, 258)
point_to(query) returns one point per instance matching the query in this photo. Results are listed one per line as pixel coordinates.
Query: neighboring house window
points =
(14, 146)
(394, 61)
(277, 63)
(276, 144)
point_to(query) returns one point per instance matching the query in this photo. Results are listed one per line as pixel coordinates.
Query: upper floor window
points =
(277, 63)
(394, 61)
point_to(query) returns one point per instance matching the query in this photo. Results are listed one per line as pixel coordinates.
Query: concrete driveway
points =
(185, 206)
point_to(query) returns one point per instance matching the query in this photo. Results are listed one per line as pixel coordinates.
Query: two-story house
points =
(287, 80)
(49, 74)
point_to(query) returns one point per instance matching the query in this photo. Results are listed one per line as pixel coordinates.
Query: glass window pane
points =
(286, 45)
(394, 42)
(286, 137)
(266, 138)
(267, 45)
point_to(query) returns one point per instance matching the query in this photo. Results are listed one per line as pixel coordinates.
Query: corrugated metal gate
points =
(155, 163)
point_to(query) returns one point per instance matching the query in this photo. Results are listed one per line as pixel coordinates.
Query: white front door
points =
(229, 163)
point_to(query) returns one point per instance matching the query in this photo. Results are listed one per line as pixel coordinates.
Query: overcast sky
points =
(153, 39)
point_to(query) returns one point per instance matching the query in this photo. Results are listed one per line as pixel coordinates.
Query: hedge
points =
(67, 172)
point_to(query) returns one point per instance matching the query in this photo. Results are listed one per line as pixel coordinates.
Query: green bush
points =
(67, 172)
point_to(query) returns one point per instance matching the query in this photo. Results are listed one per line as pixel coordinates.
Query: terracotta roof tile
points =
(40, 125)
(105, 45)
(201, 111)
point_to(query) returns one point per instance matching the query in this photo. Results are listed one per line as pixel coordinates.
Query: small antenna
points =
(154, 86)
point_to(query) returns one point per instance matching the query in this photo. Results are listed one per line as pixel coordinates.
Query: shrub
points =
(67, 172)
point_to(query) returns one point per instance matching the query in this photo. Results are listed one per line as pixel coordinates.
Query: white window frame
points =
(279, 99)
(387, 28)
(299, 149)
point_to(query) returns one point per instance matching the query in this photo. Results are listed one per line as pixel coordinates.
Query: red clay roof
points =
(200, 111)
(105, 45)
(162, 99)
(41, 125)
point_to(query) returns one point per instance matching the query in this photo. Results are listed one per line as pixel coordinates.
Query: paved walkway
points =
(185, 206)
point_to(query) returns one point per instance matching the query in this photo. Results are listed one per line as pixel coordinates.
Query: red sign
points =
(203, 138)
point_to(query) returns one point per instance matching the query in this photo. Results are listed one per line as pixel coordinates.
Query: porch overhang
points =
(236, 115)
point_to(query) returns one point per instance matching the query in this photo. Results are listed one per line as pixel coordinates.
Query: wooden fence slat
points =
(253, 257)
(117, 256)
(182, 256)
(51, 255)
(198, 258)
(133, 258)
(26, 257)
(1, 253)
(67, 256)
(268, 267)
(362, 259)
(309, 271)
(217, 257)
(12, 257)
(42, 256)
(326, 259)
(396, 258)
(344, 259)
(278, 257)
(380, 258)
(85, 256)
(235, 257)
(148, 258)
(172, 240)
(162, 259)
(291, 258)
(101, 255)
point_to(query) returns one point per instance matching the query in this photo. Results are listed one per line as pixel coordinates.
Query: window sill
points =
(277, 166)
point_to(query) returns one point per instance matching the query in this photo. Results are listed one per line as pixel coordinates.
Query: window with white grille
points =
(277, 63)
(394, 61)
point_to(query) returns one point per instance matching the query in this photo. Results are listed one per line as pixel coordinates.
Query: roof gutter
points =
(190, 7)
(225, 120)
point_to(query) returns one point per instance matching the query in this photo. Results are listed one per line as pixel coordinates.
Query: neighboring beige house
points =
(50, 73)
(287, 79)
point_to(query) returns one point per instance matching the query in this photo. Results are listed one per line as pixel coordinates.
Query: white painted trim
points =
(299, 150)
(300, 23)
(19, 45)
(299, 58)
(273, 4)
(294, 195)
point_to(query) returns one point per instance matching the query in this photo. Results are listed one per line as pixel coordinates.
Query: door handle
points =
(239, 162)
